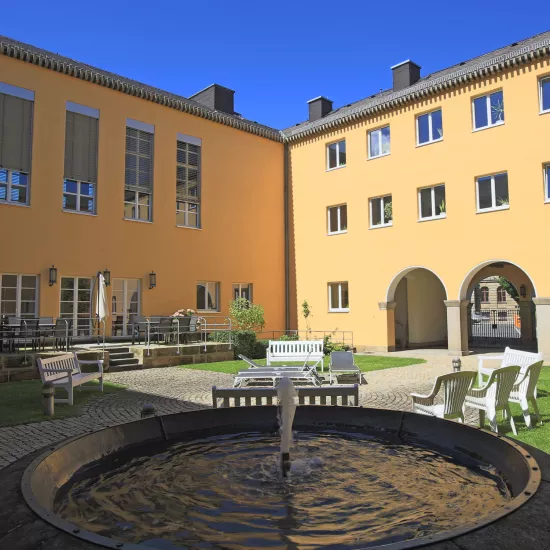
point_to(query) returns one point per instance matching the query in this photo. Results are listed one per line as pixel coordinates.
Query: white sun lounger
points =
(306, 374)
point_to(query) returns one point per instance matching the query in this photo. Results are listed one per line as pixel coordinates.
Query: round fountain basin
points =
(360, 478)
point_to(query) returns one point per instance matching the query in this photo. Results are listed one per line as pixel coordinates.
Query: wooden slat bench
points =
(289, 351)
(64, 371)
(250, 397)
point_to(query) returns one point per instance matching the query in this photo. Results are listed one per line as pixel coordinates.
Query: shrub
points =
(260, 349)
(288, 337)
(244, 342)
(246, 316)
(329, 346)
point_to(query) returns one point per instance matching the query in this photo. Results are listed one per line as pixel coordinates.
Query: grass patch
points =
(366, 363)
(21, 402)
(538, 436)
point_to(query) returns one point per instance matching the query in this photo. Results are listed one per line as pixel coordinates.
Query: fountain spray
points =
(286, 394)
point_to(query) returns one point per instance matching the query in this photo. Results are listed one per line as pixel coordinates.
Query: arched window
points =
(484, 292)
(501, 294)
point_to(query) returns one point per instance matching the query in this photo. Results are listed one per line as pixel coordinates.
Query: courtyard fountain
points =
(234, 478)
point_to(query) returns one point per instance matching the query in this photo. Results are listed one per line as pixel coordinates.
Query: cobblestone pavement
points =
(173, 390)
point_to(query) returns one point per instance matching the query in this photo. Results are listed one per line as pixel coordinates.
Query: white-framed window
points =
(78, 196)
(488, 110)
(188, 192)
(431, 202)
(337, 219)
(208, 296)
(138, 177)
(76, 304)
(14, 186)
(547, 183)
(336, 154)
(379, 142)
(125, 305)
(137, 205)
(492, 192)
(338, 296)
(242, 290)
(381, 211)
(544, 91)
(429, 127)
(19, 295)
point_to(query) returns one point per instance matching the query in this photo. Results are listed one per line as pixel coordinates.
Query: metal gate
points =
(495, 328)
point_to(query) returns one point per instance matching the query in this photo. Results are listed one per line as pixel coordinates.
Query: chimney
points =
(319, 107)
(405, 74)
(216, 97)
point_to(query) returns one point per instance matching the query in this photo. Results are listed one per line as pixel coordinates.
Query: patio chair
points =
(493, 397)
(139, 326)
(29, 333)
(118, 325)
(193, 329)
(63, 334)
(45, 329)
(342, 362)
(181, 328)
(523, 391)
(455, 386)
(163, 329)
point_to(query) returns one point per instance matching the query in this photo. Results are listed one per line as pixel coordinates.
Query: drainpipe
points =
(287, 236)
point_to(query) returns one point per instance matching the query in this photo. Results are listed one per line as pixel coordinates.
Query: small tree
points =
(246, 316)
(509, 288)
(306, 312)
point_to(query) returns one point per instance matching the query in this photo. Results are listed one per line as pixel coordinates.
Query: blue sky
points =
(275, 55)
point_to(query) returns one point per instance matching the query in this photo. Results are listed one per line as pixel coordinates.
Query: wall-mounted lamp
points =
(53, 275)
(152, 280)
(522, 291)
(107, 277)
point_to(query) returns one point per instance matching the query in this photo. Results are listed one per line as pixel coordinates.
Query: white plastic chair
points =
(455, 386)
(494, 397)
(523, 391)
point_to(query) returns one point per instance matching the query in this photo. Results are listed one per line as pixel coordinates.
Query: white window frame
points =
(124, 283)
(487, 98)
(339, 222)
(338, 165)
(433, 216)
(78, 194)
(382, 223)
(186, 212)
(217, 287)
(9, 188)
(493, 194)
(546, 175)
(379, 139)
(430, 128)
(338, 309)
(542, 81)
(18, 290)
(240, 287)
(75, 301)
(135, 202)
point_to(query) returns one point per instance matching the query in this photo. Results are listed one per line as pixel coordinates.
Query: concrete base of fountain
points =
(522, 524)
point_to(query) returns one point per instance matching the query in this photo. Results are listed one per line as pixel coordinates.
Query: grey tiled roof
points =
(77, 69)
(479, 67)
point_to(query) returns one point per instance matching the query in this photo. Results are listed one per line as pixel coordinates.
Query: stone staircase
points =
(122, 359)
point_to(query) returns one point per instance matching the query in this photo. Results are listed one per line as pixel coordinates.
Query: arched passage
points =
(419, 312)
(499, 310)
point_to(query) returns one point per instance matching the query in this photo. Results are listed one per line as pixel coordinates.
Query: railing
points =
(339, 336)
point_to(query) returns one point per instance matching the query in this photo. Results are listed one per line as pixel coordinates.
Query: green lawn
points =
(366, 363)
(21, 402)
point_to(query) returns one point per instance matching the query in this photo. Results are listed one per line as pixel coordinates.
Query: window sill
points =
(547, 201)
(495, 209)
(336, 168)
(80, 213)
(381, 226)
(432, 218)
(330, 234)
(429, 142)
(138, 221)
(8, 203)
(379, 156)
(546, 112)
(343, 310)
(487, 127)
(208, 311)
(189, 227)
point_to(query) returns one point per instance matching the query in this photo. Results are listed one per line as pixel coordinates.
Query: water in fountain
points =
(287, 395)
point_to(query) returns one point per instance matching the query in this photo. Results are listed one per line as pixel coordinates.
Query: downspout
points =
(287, 235)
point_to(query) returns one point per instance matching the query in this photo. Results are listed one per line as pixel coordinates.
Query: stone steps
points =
(122, 359)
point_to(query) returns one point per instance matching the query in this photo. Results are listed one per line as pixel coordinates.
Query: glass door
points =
(76, 303)
(126, 303)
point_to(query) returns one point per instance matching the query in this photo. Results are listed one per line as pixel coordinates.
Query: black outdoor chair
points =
(181, 327)
(163, 329)
(139, 326)
(63, 334)
(29, 333)
(193, 329)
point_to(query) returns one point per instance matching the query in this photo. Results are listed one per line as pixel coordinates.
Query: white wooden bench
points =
(510, 358)
(329, 395)
(64, 371)
(288, 351)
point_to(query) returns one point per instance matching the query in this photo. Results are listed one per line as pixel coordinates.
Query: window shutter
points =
(15, 133)
(187, 172)
(81, 143)
(139, 160)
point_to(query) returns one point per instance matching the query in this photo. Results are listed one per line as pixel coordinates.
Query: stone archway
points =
(417, 297)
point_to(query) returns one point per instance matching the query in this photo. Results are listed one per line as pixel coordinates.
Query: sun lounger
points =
(341, 362)
(306, 374)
